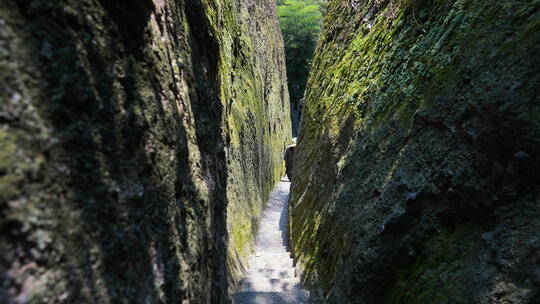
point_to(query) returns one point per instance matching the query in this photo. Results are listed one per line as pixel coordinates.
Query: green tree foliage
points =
(300, 22)
(322, 5)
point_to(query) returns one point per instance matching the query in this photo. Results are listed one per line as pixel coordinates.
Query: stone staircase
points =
(271, 275)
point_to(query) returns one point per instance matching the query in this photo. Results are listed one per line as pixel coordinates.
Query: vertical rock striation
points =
(128, 130)
(418, 172)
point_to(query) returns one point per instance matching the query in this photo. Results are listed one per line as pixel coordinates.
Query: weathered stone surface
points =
(417, 177)
(128, 129)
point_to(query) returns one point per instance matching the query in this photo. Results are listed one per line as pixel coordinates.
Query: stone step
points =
(271, 276)
(268, 284)
(257, 297)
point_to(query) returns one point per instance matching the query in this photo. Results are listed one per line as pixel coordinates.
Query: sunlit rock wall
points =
(128, 129)
(418, 173)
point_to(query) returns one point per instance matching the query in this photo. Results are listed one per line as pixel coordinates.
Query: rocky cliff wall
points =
(128, 130)
(417, 177)
(259, 129)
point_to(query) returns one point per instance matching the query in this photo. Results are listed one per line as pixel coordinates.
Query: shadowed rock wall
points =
(127, 130)
(418, 172)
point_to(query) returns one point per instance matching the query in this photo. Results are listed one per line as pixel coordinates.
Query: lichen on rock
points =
(131, 133)
(406, 188)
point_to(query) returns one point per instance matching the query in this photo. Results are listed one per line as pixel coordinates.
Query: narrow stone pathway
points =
(271, 275)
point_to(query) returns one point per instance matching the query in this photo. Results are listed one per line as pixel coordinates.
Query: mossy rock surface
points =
(417, 176)
(138, 143)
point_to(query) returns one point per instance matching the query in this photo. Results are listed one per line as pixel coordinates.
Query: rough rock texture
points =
(258, 121)
(418, 165)
(127, 130)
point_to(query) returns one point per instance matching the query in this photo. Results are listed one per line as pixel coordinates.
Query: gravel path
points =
(271, 275)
